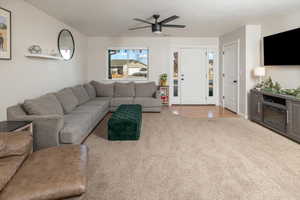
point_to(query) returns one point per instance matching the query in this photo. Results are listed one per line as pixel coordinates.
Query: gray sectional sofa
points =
(68, 116)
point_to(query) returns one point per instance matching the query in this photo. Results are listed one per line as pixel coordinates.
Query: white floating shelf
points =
(43, 56)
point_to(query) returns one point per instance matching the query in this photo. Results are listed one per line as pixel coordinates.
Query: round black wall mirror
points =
(66, 44)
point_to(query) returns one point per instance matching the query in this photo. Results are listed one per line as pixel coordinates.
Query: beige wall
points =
(23, 78)
(159, 56)
(249, 58)
(287, 76)
(253, 47)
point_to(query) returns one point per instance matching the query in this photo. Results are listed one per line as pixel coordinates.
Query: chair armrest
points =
(15, 144)
(46, 129)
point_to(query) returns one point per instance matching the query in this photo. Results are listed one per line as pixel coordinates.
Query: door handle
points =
(235, 81)
(182, 79)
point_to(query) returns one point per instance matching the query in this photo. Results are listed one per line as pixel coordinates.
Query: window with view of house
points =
(129, 64)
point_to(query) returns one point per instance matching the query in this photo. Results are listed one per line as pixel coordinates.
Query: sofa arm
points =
(157, 94)
(46, 129)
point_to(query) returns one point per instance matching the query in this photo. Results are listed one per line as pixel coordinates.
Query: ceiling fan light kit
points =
(157, 26)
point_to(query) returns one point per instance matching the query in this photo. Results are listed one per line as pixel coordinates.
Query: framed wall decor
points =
(5, 34)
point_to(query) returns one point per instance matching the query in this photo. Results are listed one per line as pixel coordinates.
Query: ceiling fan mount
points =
(156, 16)
(157, 26)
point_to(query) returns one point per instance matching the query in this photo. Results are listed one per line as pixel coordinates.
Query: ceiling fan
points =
(157, 26)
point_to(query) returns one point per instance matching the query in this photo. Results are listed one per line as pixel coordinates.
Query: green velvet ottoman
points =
(125, 123)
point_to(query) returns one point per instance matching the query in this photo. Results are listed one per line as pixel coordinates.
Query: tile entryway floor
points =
(201, 111)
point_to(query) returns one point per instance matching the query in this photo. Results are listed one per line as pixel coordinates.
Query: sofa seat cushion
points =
(100, 101)
(88, 107)
(67, 99)
(53, 173)
(147, 102)
(117, 101)
(76, 126)
(145, 89)
(90, 90)
(94, 110)
(81, 94)
(124, 89)
(44, 105)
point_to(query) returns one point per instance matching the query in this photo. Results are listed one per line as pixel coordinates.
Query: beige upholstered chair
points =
(52, 173)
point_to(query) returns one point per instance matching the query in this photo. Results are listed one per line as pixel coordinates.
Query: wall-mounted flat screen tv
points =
(282, 48)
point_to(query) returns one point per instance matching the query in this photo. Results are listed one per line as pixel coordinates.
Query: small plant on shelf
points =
(163, 79)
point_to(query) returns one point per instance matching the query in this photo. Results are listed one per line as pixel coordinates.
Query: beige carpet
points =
(180, 158)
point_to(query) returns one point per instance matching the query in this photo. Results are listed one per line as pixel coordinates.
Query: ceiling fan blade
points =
(137, 28)
(169, 19)
(141, 20)
(173, 26)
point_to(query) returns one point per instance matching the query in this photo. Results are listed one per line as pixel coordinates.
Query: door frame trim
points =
(177, 48)
(238, 73)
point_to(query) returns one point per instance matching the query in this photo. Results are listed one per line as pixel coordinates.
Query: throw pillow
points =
(103, 90)
(44, 105)
(67, 100)
(124, 89)
(145, 89)
(81, 94)
(90, 90)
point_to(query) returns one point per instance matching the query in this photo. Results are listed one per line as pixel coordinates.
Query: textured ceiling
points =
(204, 18)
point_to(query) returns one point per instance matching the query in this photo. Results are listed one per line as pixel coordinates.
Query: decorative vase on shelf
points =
(35, 49)
(163, 79)
(163, 83)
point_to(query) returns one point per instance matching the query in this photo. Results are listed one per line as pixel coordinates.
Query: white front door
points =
(230, 77)
(193, 76)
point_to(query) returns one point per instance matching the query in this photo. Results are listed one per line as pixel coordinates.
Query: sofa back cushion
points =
(44, 105)
(145, 89)
(124, 90)
(81, 94)
(103, 90)
(67, 100)
(90, 90)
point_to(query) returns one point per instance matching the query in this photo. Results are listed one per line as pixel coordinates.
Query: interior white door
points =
(193, 76)
(230, 79)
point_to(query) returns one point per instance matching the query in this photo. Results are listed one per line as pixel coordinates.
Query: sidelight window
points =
(211, 73)
(175, 74)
